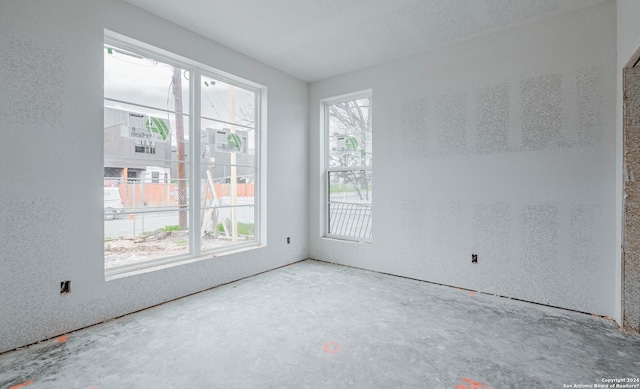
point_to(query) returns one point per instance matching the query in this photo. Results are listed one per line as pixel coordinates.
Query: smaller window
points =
(348, 162)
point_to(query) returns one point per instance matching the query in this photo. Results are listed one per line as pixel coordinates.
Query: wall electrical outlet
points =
(65, 287)
(288, 240)
(474, 258)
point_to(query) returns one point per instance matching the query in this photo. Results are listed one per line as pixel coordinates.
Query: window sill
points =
(135, 269)
(345, 240)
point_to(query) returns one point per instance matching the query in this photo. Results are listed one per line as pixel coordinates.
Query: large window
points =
(348, 163)
(181, 146)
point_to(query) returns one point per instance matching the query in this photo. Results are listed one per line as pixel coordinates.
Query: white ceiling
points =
(316, 39)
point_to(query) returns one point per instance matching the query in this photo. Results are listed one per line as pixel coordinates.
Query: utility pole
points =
(182, 183)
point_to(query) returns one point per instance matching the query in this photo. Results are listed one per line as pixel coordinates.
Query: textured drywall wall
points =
(51, 165)
(631, 217)
(502, 146)
(628, 42)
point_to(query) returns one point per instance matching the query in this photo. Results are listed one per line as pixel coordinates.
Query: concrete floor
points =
(317, 325)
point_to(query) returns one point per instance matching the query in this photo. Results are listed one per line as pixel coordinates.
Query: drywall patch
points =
(583, 219)
(541, 268)
(412, 223)
(493, 119)
(448, 232)
(413, 122)
(541, 112)
(540, 245)
(589, 106)
(32, 80)
(450, 120)
(408, 135)
(39, 220)
(491, 226)
(394, 136)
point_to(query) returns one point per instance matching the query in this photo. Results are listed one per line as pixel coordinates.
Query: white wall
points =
(628, 23)
(628, 37)
(51, 167)
(504, 146)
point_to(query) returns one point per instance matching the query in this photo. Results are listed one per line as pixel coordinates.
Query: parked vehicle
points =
(113, 204)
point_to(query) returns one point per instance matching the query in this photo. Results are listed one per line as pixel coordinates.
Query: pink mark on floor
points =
(332, 347)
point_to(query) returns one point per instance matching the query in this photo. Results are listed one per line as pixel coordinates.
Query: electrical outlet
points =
(288, 240)
(65, 287)
(474, 258)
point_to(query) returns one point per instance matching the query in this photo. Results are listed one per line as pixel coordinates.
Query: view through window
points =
(349, 162)
(153, 209)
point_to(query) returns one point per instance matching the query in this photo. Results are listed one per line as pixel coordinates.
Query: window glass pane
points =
(225, 225)
(228, 211)
(133, 78)
(118, 113)
(142, 235)
(350, 140)
(352, 186)
(350, 204)
(228, 160)
(228, 103)
(146, 159)
(221, 142)
(155, 141)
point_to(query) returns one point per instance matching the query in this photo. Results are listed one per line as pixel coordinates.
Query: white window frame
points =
(325, 185)
(196, 71)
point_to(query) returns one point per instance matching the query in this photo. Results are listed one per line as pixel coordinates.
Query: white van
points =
(113, 205)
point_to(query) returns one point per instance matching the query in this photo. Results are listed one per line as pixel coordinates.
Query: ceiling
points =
(316, 39)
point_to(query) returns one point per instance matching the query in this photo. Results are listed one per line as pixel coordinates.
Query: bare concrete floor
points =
(316, 325)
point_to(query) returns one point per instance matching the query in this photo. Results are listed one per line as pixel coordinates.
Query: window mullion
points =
(259, 231)
(327, 184)
(195, 180)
